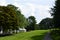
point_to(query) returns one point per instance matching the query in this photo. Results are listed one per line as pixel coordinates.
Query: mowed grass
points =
(32, 35)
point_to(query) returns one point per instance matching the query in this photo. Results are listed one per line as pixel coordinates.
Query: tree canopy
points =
(32, 23)
(11, 17)
(7, 17)
(46, 23)
(22, 21)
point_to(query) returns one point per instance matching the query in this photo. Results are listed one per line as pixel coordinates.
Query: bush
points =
(55, 34)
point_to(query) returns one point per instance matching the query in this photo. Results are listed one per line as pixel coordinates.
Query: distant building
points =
(10, 31)
(1, 30)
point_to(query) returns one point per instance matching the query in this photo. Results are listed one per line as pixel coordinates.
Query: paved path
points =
(47, 37)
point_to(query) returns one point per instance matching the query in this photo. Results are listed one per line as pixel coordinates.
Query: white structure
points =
(22, 29)
(11, 31)
(19, 30)
(1, 30)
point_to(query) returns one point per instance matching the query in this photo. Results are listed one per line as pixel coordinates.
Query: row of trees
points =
(46, 23)
(11, 18)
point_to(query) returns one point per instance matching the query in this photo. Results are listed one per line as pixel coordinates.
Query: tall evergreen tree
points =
(56, 14)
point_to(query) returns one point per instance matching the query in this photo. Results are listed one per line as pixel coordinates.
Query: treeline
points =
(46, 23)
(11, 18)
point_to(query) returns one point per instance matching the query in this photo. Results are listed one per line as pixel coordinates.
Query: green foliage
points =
(33, 35)
(22, 21)
(56, 14)
(7, 17)
(32, 23)
(11, 18)
(56, 19)
(55, 34)
(46, 23)
(37, 27)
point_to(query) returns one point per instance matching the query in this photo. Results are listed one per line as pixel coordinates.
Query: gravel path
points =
(47, 37)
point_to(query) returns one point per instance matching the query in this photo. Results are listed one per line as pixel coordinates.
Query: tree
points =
(46, 23)
(8, 18)
(22, 21)
(32, 23)
(56, 19)
(56, 14)
(11, 18)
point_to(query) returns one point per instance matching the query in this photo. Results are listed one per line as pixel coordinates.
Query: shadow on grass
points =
(3, 35)
(38, 37)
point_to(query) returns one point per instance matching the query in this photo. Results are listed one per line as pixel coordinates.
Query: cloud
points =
(41, 12)
(3, 2)
(30, 9)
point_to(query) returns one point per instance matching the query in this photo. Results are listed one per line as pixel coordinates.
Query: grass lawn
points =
(32, 35)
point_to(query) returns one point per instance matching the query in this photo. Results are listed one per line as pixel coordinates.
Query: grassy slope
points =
(33, 35)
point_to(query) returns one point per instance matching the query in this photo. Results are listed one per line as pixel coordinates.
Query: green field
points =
(32, 35)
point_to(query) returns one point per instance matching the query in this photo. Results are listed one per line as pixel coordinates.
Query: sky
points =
(37, 8)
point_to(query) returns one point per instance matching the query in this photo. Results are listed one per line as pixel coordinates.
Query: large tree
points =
(46, 23)
(32, 23)
(22, 21)
(56, 14)
(8, 18)
(11, 18)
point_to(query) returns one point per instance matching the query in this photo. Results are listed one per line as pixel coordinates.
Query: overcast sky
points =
(38, 8)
